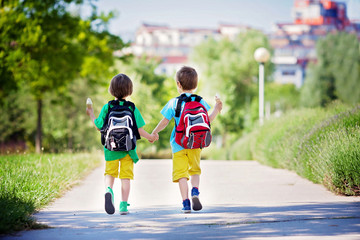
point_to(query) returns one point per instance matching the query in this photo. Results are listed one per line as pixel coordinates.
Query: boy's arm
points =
(217, 109)
(90, 112)
(162, 124)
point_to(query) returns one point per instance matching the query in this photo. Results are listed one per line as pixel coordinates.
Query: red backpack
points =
(193, 130)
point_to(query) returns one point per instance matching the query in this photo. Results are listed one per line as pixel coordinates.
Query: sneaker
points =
(196, 204)
(109, 201)
(186, 208)
(123, 208)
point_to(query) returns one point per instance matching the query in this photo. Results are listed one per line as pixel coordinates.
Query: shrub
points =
(319, 144)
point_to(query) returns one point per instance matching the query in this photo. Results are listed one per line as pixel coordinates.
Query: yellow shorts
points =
(126, 166)
(186, 163)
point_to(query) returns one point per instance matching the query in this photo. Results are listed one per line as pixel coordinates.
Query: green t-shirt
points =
(114, 155)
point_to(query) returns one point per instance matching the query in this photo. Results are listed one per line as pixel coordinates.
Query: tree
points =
(345, 64)
(336, 72)
(319, 87)
(45, 47)
(228, 67)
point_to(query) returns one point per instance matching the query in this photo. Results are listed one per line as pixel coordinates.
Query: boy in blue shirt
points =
(186, 162)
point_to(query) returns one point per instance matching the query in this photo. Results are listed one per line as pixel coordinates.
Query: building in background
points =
(174, 45)
(294, 43)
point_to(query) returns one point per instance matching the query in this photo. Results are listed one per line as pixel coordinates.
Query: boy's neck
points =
(122, 98)
(187, 91)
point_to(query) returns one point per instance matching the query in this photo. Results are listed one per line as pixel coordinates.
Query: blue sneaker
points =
(186, 204)
(109, 201)
(196, 204)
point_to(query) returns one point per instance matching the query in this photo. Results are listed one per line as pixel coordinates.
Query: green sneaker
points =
(123, 208)
(109, 201)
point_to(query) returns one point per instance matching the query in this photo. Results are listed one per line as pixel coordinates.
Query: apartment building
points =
(174, 45)
(294, 43)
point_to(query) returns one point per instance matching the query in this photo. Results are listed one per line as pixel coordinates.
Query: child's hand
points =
(218, 104)
(153, 137)
(89, 111)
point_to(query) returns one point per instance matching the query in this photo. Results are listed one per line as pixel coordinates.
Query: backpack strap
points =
(131, 106)
(125, 103)
(184, 98)
(197, 98)
(180, 99)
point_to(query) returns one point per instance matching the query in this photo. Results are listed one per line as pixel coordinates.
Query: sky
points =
(260, 14)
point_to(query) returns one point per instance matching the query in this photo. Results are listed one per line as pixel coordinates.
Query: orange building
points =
(294, 43)
(320, 12)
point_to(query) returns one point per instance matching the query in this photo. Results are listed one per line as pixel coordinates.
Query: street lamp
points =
(261, 55)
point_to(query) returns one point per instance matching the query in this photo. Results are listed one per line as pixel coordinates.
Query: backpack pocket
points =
(195, 123)
(120, 136)
(199, 139)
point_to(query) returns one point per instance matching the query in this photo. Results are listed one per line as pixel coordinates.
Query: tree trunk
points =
(38, 127)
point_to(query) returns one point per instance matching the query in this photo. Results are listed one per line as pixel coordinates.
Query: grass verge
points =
(29, 182)
(322, 145)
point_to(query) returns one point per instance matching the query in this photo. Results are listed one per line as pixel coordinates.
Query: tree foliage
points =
(44, 47)
(228, 67)
(336, 73)
(67, 60)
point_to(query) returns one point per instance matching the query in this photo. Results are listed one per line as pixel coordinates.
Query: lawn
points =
(28, 182)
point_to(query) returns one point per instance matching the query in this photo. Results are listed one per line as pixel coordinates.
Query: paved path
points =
(241, 199)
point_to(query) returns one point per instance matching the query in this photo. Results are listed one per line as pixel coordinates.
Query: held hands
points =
(153, 137)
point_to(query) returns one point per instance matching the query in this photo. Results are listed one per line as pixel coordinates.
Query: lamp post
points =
(261, 55)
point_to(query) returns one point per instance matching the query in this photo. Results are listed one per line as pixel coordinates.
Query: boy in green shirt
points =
(120, 87)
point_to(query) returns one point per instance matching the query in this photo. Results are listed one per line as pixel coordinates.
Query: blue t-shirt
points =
(169, 112)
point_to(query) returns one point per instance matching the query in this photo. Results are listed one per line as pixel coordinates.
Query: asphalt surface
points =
(241, 200)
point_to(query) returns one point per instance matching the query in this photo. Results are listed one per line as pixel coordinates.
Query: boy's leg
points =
(195, 181)
(126, 174)
(195, 171)
(181, 175)
(125, 189)
(184, 190)
(109, 181)
(180, 165)
(111, 172)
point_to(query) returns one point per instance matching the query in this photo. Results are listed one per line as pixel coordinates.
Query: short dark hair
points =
(121, 86)
(188, 78)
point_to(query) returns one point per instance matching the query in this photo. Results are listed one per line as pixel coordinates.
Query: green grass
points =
(29, 182)
(322, 145)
